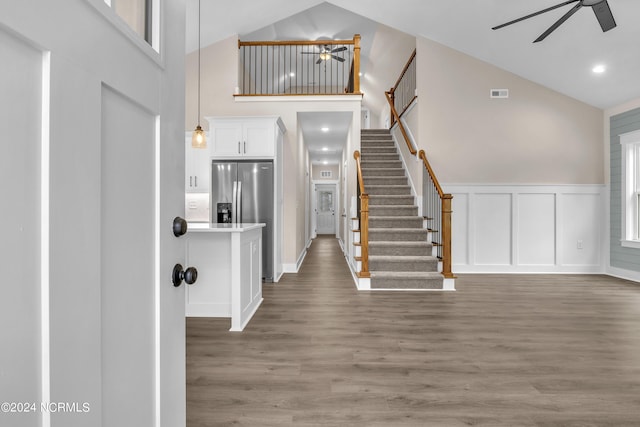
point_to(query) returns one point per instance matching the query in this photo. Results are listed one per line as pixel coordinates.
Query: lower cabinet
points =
(228, 258)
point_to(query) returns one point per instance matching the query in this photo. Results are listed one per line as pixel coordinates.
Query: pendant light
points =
(198, 139)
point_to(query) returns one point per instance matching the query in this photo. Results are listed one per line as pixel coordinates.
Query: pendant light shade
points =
(199, 138)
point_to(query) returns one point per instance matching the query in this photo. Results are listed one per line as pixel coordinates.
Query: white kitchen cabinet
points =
(197, 167)
(250, 137)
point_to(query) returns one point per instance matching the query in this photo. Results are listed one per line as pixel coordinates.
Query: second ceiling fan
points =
(326, 53)
(600, 8)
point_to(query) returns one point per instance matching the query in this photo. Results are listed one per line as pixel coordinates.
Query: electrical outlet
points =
(580, 244)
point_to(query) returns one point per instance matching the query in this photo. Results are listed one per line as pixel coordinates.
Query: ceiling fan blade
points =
(318, 61)
(339, 49)
(337, 58)
(534, 14)
(604, 15)
(559, 22)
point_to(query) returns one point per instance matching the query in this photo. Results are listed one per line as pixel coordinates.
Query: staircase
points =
(401, 255)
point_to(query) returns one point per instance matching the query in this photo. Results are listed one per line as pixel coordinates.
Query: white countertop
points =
(208, 227)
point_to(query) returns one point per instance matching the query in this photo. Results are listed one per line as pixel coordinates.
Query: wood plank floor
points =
(505, 350)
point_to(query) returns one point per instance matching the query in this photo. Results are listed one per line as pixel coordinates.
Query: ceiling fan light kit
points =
(326, 53)
(600, 8)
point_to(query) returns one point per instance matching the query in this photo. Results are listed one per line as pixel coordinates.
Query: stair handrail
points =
(408, 83)
(363, 220)
(443, 217)
(396, 117)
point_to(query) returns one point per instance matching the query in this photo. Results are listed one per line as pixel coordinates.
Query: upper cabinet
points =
(197, 167)
(244, 137)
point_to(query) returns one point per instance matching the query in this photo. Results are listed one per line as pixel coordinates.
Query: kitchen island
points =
(228, 258)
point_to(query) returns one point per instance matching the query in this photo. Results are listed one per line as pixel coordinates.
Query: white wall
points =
(334, 169)
(536, 136)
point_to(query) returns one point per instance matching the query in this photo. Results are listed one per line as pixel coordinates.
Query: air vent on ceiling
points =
(499, 93)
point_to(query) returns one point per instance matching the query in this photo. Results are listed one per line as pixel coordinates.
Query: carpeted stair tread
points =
(391, 210)
(389, 200)
(367, 172)
(376, 221)
(406, 280)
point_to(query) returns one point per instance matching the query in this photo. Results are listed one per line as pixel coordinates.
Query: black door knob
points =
(190, 275)
(179, 226)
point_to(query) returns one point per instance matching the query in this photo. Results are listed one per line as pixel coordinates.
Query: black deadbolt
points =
(179, 226)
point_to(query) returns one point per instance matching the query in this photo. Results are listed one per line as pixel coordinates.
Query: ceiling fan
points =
(600, 8)
(326, 53)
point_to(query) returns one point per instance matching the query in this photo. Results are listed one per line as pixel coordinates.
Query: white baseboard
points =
(294, 268)
(620, 273)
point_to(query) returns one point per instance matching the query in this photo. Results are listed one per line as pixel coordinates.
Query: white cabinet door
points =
(243, 137)
(226, 138)
(258, 138)
(197, 167)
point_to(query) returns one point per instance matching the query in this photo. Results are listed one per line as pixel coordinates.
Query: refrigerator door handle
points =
(239, 203)
(234, 204)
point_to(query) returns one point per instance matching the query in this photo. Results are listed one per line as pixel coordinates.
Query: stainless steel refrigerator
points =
(243, 192)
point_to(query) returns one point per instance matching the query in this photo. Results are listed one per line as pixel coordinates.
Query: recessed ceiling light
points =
(599, 69)
(325, 129)
(325, 163)
(292, 74)
(325, 149)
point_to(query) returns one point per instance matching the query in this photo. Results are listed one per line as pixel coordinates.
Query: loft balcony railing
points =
(322, 67)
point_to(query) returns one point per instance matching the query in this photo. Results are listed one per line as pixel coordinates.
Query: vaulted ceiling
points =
(562, 62)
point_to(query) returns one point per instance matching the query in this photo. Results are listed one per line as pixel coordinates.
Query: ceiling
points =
(562, 62)
(325, 133)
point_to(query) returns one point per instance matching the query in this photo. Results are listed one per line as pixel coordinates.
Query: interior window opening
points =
(138, 14)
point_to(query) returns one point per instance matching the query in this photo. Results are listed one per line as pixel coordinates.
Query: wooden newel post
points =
(392, 94)
(446, 236)
(356, 63)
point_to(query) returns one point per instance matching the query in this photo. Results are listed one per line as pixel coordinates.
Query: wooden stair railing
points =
(405, 87)
(363, 221)
(433, 196)
(396, 119)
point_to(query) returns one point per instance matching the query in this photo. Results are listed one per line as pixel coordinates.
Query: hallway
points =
(532, 350)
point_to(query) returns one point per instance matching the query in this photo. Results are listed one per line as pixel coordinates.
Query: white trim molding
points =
(528, 228)
(630, 191)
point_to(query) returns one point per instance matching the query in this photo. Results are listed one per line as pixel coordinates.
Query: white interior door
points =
(325, 209)
(92, 177)
(20, 245)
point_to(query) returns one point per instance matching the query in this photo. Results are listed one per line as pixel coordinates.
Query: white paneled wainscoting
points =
(528, 228)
